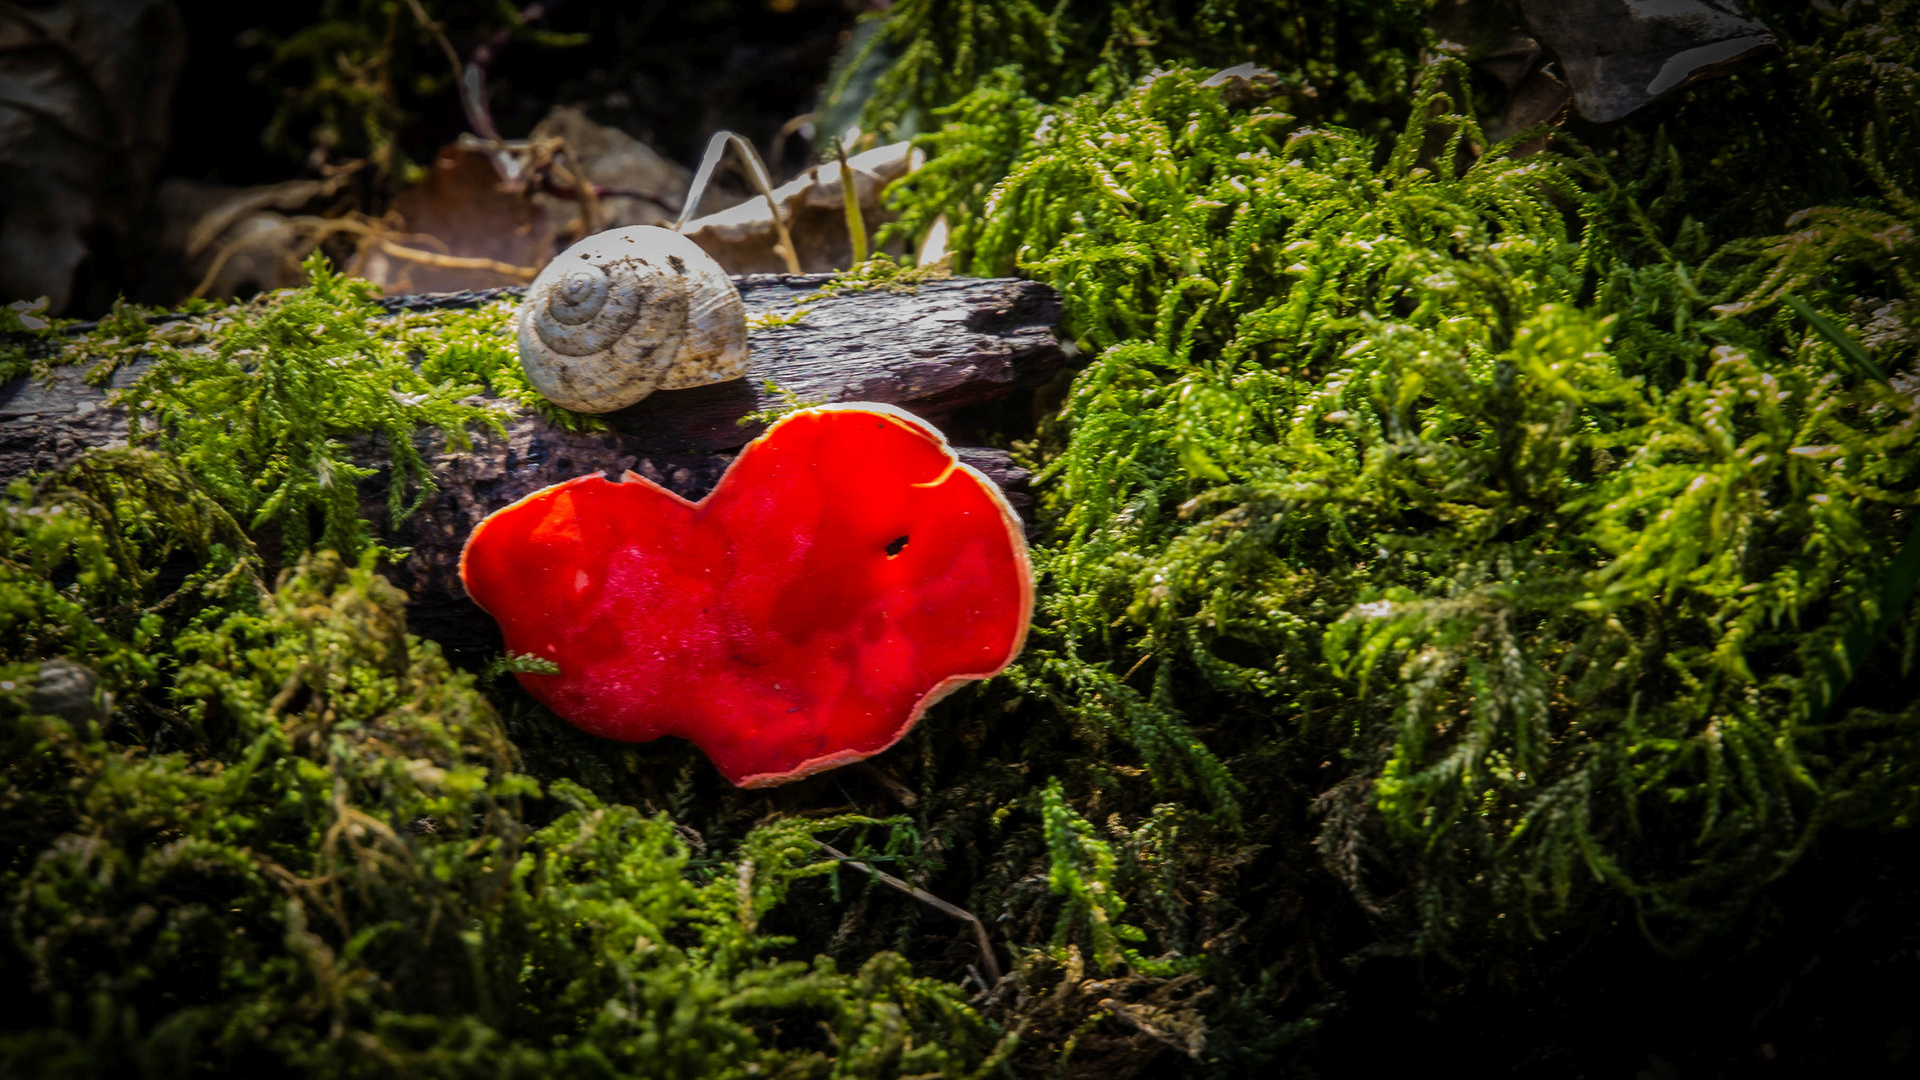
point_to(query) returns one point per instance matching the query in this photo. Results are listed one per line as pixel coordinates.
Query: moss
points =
(27, 336)
(1445, 553)
(263, 403)
(260, 411)
(881, 272)
(1351, 58)
(772, 319)
(1358, 450)
(329, 861)
(479, 347)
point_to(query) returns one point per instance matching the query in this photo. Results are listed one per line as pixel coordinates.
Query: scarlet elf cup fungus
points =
(846, 573)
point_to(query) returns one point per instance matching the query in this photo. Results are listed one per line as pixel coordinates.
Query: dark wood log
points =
(946, 352)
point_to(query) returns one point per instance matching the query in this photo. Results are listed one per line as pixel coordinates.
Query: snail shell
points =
(628, 311)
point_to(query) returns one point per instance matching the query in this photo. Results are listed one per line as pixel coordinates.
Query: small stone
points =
(69, 691)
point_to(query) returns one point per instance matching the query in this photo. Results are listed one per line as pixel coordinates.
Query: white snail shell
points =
(628, 311)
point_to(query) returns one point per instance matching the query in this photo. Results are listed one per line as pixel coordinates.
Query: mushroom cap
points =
(846, 573)
(628, 311)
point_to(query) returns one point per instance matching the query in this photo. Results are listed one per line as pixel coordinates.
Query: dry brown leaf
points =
(85, 91)
(458, 229)
(1619, 55)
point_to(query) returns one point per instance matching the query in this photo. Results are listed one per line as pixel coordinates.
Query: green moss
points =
(772, 319)
(881, 272)
(1352, 58)
(1445, 553)
(264, 403)
(87, 558)
(27, 337)
(478, 347)
(1083, 869)
(1370, 447)
(260, 413)
(324, 858)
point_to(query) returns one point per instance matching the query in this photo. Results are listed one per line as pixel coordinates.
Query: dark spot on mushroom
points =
(679, 265)
(897, 545)
(586, 255)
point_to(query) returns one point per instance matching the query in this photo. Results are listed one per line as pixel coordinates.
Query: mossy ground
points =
(1476, 627)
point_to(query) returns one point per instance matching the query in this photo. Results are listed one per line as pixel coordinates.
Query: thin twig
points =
(316, 230)
(987, 960)
(901, 792)
(583, 189)
(479, 118)
(471, 77)
(439, 35)
(473, 80)
(565, 191)
(288, 195)
(779, 148)
(457, 262)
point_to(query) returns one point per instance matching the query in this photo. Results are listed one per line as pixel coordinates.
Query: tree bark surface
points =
(949, 352)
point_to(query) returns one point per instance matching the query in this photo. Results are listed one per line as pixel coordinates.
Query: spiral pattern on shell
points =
(628, 311)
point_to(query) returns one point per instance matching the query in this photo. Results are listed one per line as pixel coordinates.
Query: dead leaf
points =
(1619, 55)
(1540, 98)
(458, 229)
(85, 92)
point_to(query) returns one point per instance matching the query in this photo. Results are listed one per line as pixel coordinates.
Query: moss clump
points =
(1389, 456)
(313, 850)
(478, 347)
(1353, 59)
(260, 412)
(264, 403)
(26, 335)
(880, 272)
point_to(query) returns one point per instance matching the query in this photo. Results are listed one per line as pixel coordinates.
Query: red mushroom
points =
(846, 573)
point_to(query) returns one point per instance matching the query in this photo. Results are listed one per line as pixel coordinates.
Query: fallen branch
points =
(965, 354)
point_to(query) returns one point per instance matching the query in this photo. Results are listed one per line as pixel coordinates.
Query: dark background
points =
(666, 73)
